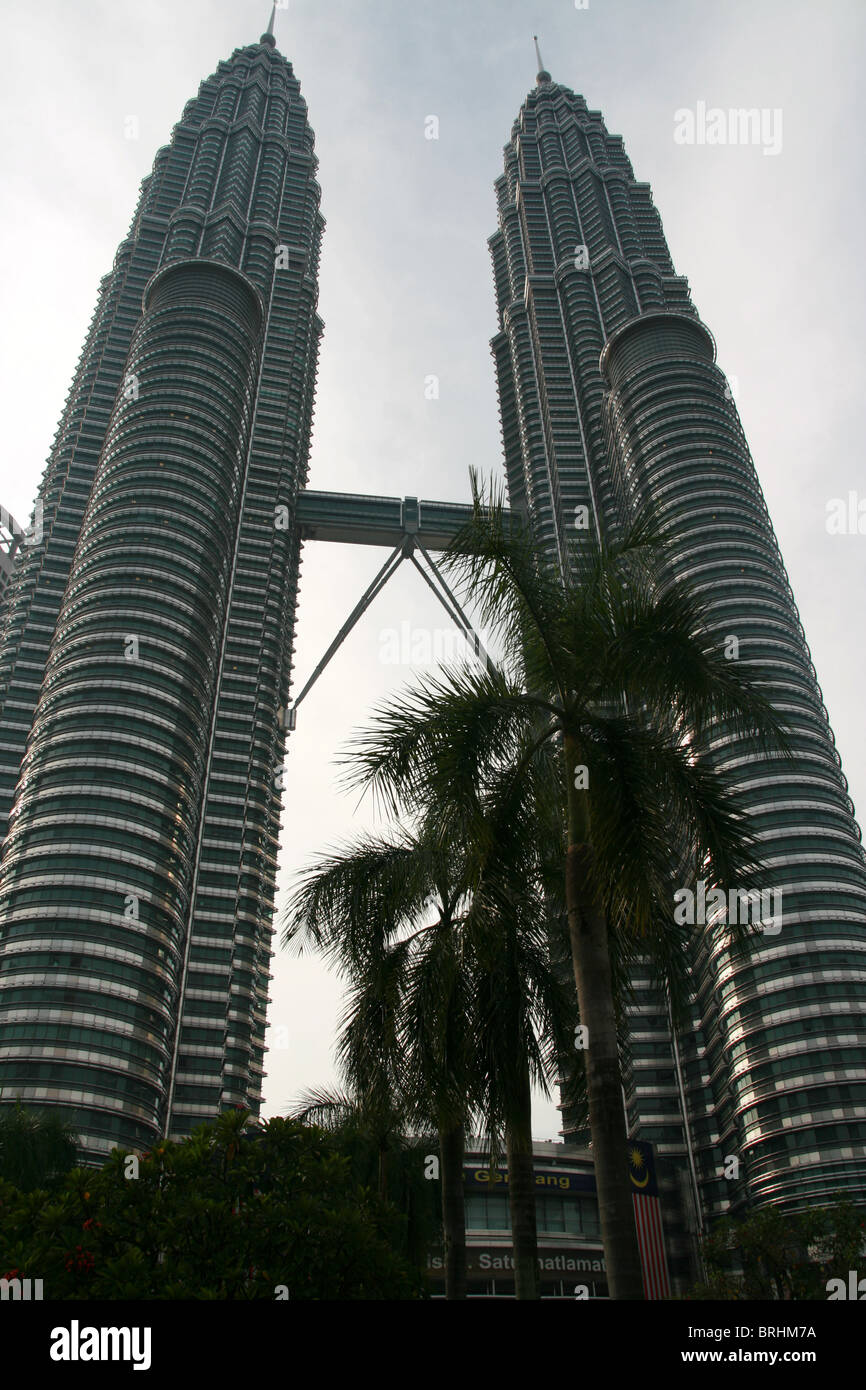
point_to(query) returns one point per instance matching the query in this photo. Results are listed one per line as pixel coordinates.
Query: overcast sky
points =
(771, 245)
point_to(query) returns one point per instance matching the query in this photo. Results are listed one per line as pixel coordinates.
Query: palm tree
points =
(386, 909)
(367, 1128)
(36, 1146)
(524, 1010)
(381, 1154)
(615, 665)
(451, 974)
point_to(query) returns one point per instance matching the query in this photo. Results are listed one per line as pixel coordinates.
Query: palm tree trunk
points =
(451, 1146)
(521, 1192)
(592, 974)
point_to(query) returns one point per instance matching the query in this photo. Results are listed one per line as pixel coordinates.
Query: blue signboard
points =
(641, 1170)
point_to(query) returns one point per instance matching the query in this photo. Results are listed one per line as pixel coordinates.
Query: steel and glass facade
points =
(609, 397)
(146, 648)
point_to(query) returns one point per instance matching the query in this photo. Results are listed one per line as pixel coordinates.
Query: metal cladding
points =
(609, 397)
(782, 1019)
(146, 650)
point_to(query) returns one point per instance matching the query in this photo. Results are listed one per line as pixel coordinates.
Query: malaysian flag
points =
(648, 1219)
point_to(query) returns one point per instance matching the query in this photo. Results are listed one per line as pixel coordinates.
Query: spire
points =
(268, 35)
(543, 74)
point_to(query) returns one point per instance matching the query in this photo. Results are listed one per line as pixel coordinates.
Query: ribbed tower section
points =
(782, 1044)
(609, 395)
(145, 656)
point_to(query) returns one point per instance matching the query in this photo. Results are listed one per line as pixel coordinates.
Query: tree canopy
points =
(236, 1211)
(774, 1254)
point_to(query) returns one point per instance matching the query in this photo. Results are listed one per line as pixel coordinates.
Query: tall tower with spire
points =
(610, 397)
(146, 648)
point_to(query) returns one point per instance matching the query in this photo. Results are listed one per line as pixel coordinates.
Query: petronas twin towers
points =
(146, 645)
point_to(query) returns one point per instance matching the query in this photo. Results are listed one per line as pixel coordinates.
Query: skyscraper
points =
(609, 397)
(146, 649)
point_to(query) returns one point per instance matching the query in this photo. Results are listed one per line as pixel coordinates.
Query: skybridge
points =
(412, 527)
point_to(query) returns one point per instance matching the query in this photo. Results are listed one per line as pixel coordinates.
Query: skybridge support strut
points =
(348, 518)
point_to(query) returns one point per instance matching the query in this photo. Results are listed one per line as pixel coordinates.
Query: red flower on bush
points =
(80, 1260)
